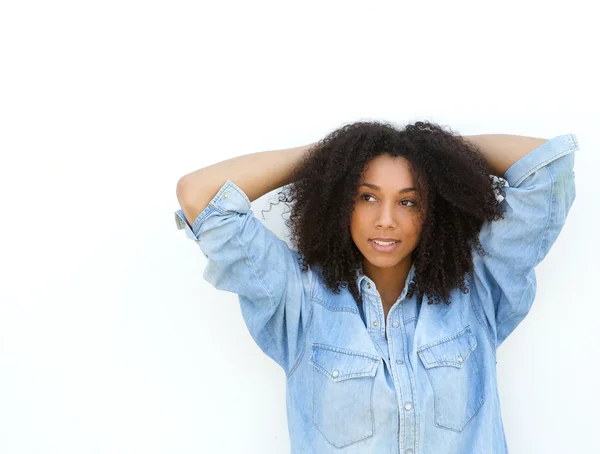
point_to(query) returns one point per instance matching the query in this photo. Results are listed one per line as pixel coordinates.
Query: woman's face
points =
(388, 212)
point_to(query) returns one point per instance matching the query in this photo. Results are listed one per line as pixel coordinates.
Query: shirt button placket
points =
(409, 421)
(375, 323)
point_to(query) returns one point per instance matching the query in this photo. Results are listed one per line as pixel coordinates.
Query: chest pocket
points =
(342, 391)
(454, 371)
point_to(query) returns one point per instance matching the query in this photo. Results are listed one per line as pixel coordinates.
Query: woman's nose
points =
(386, 217)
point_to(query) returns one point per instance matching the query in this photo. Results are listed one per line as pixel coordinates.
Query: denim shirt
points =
(430, 387)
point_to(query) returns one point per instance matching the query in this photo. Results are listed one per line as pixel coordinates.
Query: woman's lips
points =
(380, 248)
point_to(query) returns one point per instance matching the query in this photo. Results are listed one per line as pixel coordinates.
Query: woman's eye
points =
(366, 196)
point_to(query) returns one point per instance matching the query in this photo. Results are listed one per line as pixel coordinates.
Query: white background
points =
(111, 341)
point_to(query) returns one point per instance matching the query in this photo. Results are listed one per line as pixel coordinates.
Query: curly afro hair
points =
(459, 199)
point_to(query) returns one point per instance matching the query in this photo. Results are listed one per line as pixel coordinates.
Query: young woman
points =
(414, 257)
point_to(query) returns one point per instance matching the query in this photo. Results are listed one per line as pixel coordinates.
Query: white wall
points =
(111, 341)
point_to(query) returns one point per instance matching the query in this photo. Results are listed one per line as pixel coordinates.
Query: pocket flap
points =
(339, 364)
(449, 351)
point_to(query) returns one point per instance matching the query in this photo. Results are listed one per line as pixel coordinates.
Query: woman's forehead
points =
(388, 173)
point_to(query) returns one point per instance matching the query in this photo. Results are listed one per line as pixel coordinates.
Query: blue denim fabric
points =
(431, 387)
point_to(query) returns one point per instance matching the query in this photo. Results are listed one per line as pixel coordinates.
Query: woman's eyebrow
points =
(377, 188)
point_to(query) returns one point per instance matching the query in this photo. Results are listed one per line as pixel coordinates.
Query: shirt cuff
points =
(230, 199)
(543, 155)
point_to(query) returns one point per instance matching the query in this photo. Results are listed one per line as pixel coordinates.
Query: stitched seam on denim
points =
(218, 198)
(545, 163)
(412, 319)
(481, 321)
(440, 362)
(308, 325)
(211, 208)
(332, 308)
(446, 339)
(466, 354)
(304, 336)
(543, 237)
(233, 186)
(479, 403)
(200, 219)
(238, 236)
(488, 333)
(411, 378)
(369, 373)
(345, 351)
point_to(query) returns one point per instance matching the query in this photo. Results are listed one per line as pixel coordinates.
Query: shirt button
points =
(399, 361)
(408, 406)
(396, 324)
(335, 373)
(368, 285)
(409, 451)
(460, 359)
(225, 195)
(375, 323)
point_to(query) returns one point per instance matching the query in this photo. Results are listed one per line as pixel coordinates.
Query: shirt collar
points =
(362, 279)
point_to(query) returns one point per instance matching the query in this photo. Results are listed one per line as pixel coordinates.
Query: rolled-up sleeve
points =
(539, 192)
(246, 258)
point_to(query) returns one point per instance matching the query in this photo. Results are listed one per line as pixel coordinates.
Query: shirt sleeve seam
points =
(539, 250)
(238, 236)
(540, 165)
(485, 328)
(308, 325)
(274, 343)
(568, 144)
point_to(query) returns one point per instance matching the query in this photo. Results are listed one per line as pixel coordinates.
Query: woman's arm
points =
(256, 174)
(502, 150)
(537, 200)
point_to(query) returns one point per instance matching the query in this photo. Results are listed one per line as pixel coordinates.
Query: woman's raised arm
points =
(502, 150)
(256, 174)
